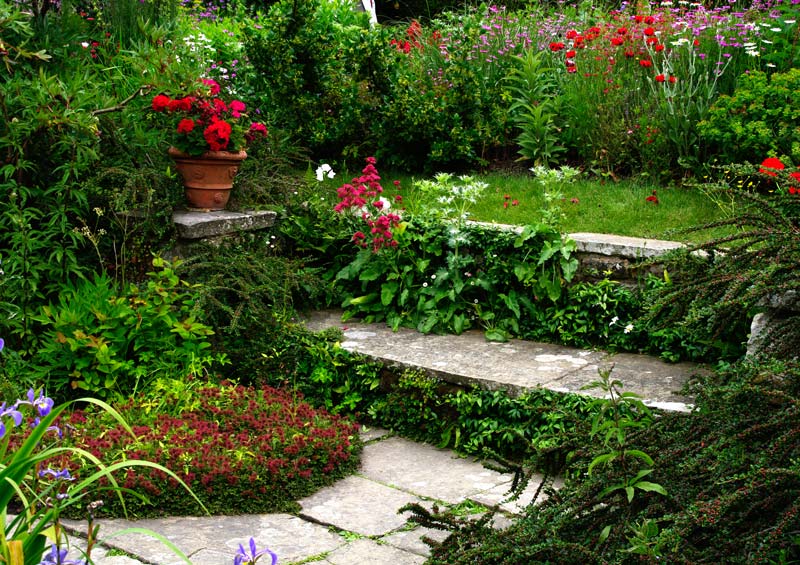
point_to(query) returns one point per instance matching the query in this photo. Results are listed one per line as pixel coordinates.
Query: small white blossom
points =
(323, 171)
(628, 329)
(614, 320)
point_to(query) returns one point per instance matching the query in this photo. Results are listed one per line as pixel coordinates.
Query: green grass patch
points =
(593, 205)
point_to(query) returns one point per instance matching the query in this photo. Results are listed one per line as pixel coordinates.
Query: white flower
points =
(614, 320)
(789, 22)
(323, 171)
(628, 329)
(84, 44)
(433, 276)
(424, 285)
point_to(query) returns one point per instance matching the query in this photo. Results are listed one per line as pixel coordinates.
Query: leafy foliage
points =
(758, 118)
(112, 341)
(739, 503)
(741, 273)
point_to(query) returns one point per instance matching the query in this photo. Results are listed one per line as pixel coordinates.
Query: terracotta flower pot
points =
(208, 178)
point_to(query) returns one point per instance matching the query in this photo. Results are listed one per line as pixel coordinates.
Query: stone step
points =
(515, 366)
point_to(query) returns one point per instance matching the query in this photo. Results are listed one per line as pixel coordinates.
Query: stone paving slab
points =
(213, 540)
(359, 505)
(427, 471)
(368, 552)
(515, 366)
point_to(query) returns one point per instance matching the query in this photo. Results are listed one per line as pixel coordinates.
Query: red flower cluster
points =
(638, 38)
(206, 122)
(361, 197)
(240, 443)
(414, 41)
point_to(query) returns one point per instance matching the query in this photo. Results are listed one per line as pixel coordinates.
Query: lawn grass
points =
(598, 206)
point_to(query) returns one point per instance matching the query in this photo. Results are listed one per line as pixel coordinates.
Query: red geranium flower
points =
(185, 125)
(218, 135)
(160, 103)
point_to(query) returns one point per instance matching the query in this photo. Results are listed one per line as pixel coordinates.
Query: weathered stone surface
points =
(211, 540)
(199, 225)
(356, 504)
(622, 246)
(411, 540)
(515, 366)
(368, 552)
(427, 471)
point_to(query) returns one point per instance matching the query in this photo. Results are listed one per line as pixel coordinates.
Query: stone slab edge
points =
(197, 224)
(606, 244)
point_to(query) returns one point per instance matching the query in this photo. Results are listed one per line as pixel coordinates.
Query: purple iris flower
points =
(12, 412)
(59, 557)
(244, 558)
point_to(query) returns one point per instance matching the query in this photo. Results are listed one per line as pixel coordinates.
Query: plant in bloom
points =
(361, 198)
(201, 121)
(323, 171)
(243, 557)
(772, 166)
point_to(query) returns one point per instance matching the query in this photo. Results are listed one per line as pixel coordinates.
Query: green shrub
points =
(241, 450)
(111, 341)
(757, 120)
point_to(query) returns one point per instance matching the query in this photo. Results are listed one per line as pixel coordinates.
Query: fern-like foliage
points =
(722, 282)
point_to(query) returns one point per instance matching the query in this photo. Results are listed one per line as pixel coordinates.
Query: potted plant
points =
(209, 136)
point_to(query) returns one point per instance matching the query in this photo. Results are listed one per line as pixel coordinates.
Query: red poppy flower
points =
(659, 48)
(649, 31)
(572, 34)
(556, 46)
(660, 78)
(649, 20)
(673, 79)
(646, 63)
(696, 42)
(570, 54)
(617, 41)
(651, 40)
(622, 30)
(638, 19)
(795, 178)
(770, 165)
(629, 53)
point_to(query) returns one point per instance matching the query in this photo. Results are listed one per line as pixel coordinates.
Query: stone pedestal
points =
(215, 227)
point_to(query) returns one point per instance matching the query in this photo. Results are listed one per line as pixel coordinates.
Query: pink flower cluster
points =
(361, 196)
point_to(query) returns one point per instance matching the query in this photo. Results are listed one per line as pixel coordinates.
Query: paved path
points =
(353, 522)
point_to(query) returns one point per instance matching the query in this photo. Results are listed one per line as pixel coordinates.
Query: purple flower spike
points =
(242, 557)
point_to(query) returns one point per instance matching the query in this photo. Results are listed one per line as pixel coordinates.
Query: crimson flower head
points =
(237, 107)
(646, 63)
(649, 31)
(160, 103)
(794, 178)
(770, 165)
(617, 41)
(218, 135)
(213, 86)
(185, 125)
(556, 46)
(660, 78)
